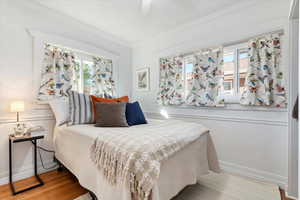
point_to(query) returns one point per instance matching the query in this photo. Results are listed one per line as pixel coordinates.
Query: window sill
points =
(231, 107)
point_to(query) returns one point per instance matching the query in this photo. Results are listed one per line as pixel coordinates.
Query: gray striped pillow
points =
(81, 109)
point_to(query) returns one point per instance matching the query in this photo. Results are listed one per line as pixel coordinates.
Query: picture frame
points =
(143, 79)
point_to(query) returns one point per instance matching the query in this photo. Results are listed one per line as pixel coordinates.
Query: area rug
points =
(224, 187)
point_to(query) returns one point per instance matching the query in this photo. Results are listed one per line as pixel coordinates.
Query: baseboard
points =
(254, 174)
(225, 166)
(26, 173)
(290, 197)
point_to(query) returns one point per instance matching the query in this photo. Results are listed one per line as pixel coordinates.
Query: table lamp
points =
(17, 107)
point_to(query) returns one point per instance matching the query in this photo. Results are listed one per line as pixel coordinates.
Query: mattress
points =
(72, 149)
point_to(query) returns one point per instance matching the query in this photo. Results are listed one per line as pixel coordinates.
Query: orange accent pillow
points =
(99, 99)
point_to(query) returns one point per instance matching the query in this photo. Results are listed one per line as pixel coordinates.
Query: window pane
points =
(243, 67)
(227, 85)
(188, 77)
(87, 68)
(76, 77)
(228, 72)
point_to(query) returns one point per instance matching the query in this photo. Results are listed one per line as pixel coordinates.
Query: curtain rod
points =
(75, 50)
(280, 32)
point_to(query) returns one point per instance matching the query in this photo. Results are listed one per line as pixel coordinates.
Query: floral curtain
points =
(103, 84)
(207, 79)
(264, 80)
(171, 81)
(58, 73)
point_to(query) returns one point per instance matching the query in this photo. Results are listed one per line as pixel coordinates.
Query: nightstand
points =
(32, 139)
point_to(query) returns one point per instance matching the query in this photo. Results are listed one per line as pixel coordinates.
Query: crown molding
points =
(294, 10)
(52, 37)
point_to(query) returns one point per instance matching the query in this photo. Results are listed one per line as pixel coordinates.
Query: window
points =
(188, 74)
(83, 75)
(64, 69)
(94, 75)
(227, 85)
(243, 67)
(229, 69)
(87, 68)
(235, 68)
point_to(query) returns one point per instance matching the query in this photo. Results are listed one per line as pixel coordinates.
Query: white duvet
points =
(72, 148)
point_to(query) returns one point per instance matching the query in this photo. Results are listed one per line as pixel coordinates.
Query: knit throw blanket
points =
(133, 155)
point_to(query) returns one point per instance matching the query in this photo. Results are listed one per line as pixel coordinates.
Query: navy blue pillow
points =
(134, 114)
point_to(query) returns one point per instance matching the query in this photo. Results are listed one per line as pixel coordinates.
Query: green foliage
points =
(87, 74)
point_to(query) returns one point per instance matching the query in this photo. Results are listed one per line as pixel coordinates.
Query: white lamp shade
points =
(17, 106)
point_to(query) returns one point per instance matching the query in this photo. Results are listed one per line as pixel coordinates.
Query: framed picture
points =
(142, 77)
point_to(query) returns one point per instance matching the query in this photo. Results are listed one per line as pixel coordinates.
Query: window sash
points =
(229, 97)
(189, 59)
(236, 50)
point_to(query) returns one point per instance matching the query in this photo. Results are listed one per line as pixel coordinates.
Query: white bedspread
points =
(72, 145)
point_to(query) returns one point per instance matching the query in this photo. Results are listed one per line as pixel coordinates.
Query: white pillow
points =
(60, 108)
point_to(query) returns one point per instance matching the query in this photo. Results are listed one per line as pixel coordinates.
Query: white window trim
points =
(40, 38)
(235, 97)
(230, 107)
(232, 101)
(229, 98)
(82, 57)
(191, 61)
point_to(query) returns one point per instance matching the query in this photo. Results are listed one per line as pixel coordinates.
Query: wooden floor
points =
(58, 186)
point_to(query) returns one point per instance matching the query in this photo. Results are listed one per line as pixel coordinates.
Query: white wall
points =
(249, 142)
(17, 80)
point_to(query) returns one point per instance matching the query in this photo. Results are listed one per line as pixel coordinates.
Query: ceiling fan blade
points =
(146, 6)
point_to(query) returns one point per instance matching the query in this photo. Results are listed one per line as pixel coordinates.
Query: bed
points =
(72, 149)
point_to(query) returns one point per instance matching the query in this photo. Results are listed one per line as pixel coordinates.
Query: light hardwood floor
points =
(58, 186)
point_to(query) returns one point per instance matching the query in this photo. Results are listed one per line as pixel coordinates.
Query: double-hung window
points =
(65, 69)
(235, 68)
(84, 69)
(188, 74)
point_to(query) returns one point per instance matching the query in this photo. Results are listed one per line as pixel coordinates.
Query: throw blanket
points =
(133, 156)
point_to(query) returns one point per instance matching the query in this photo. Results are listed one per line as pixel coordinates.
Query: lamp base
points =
(20, 130)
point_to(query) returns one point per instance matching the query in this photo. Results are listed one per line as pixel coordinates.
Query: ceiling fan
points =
(146, 6)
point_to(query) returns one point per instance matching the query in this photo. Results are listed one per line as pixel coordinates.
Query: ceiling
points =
(125, 19)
